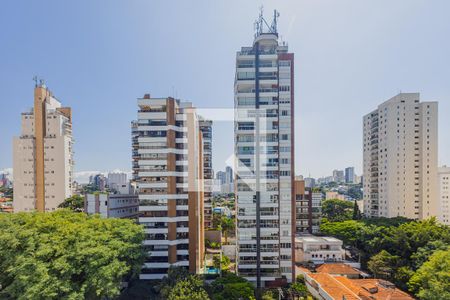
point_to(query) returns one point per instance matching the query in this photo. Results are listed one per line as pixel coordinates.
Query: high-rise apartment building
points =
(168, 170)
(400, 143)
(116, 180)
(308, 208)
(350, 175)
(444, 194)
(43, 163)
(208, 173)
(221, 177)
(264, 149)
(229, 175)
(98, 181)
(338, 176)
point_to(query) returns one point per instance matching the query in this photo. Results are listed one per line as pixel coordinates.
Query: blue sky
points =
(99, 56)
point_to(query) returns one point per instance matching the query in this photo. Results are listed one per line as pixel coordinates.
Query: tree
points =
(221, 262)
(346, 230)
(298, 288)
(337, 210)
(432, 279)
(355, 192)
(356, 211)
(383, 264)
(423, 253)
(231, 287)
(190, 288)
(174, 275)
(268, 295)
(74, 203)
(227, 226)
(67, 255)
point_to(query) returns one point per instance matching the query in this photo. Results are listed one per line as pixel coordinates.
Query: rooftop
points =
(339, 287)
(316, 239)
(337, 269)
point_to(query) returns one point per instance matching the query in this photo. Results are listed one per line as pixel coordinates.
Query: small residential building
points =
(326, 286)
(334, 195)
(6, 204)
(112, 205)
(444, 193)
(310, 248)
(339, 269)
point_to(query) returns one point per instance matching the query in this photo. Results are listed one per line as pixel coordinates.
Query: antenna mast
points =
(260, 22)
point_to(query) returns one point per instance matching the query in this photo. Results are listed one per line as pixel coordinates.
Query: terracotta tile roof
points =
(338, 287)
(333, 287)
(337, 269)
(302, 270)
(380, 289)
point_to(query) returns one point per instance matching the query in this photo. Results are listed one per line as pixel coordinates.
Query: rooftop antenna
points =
(276, 14)
(260, 22)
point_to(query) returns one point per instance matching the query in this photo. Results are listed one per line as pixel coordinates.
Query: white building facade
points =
(444, 194)
(264, 168)
(112, 205)
(400, 153)
(42, 155)
(167, 168)
(318, 249)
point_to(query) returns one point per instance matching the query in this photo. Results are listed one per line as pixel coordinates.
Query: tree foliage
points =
(382, 265)
(66, 255)
(224, 224)
(74, 203)
(432, 279)
(337, 210)
(231, 287)
(190, 288)
(392, 248)
(174, 275)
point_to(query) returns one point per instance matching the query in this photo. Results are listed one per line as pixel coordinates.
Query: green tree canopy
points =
(432, 279)
(383, 264)
(174, 275)
(337, 210)
(231, 287)
(74, 203)
(379, 240)
(66, 255)
(190, 288)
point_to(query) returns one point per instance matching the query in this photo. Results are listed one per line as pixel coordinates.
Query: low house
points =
(328, 287)
(340, 269)
(318, 250)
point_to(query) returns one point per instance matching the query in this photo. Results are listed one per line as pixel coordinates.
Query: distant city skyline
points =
(348, 61)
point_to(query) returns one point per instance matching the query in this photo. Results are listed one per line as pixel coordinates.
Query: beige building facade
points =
(400, 152)
(42, 155)
(444, 194)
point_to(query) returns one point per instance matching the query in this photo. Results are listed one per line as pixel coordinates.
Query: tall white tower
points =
(264, 148)
(400, 158)
(43, 163)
